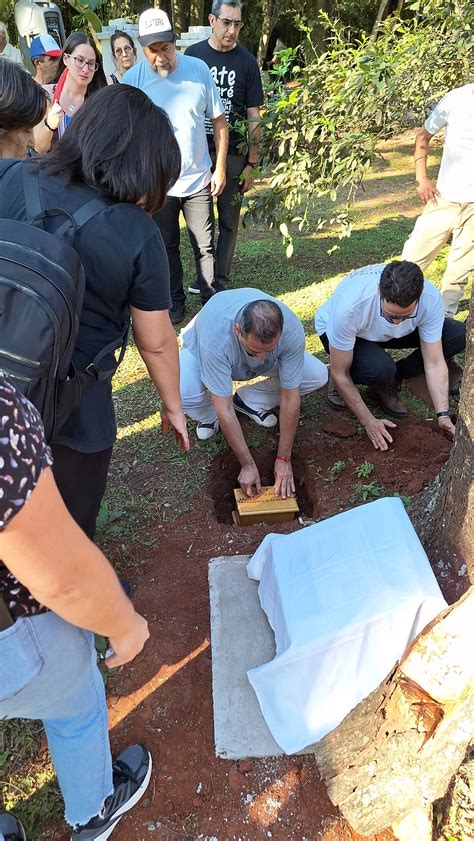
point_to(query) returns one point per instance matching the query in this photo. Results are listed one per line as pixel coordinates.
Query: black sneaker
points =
(193, 288)
(177, 313)
(132, 772)
(267, 419)
(11, 829)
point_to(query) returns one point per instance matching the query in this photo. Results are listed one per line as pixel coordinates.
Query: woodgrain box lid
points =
(265, 503)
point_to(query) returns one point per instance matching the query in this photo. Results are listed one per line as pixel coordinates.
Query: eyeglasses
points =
(394, 319)
(81, 62)
(123, 50)
(228, 23)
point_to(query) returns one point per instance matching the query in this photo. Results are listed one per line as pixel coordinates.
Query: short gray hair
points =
(216, 5)
(263, 319)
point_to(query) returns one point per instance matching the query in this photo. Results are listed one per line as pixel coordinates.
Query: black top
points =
(23, 456)
(238, 81)
(125, 262)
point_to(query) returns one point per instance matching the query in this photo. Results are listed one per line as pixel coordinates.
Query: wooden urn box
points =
(265, 508)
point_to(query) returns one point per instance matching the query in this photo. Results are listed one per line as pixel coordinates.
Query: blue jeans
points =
(48, 671)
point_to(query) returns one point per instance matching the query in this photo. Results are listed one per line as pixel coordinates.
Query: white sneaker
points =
(204, 431)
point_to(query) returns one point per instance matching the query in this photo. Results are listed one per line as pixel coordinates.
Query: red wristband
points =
(283, 458)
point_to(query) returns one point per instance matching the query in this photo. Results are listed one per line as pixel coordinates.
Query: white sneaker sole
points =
(193, 290)
(128, 805)
(206, 433)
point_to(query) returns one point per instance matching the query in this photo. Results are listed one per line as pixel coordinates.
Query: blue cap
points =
(44, 45)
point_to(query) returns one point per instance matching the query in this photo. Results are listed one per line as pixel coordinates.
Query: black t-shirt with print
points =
(238, 81)
(23, 456)
(126, 264)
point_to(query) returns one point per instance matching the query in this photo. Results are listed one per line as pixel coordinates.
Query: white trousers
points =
(261, 396)
(431, 233)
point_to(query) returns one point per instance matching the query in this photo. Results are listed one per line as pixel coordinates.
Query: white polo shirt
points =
(353, 311)
(456, 174)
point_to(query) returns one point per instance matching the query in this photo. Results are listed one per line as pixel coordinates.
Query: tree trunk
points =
(196, 15)
(378, 19)
(270, 13)
(452, 515)
(398, 749)
(180, 16)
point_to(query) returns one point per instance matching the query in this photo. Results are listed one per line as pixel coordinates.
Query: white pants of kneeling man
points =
(261, 396)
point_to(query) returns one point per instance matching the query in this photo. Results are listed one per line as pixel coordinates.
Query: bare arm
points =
(157, 345)
(341, 361)
(221, 139)
(425, 187)
(47, 551)
(43, 134)
(249, 477)
(437, 380)
(290, 400)
(254, 134)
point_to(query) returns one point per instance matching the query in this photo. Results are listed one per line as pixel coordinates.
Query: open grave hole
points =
(223, 479)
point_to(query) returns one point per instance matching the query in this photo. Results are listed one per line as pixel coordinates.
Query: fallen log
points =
(397, 749)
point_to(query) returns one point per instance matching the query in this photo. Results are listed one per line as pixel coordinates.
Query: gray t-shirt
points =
(211, 338)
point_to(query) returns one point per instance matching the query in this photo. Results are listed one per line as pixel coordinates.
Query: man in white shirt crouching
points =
(387, 306)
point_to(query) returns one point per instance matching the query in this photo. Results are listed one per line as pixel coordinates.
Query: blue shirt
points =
(188, 95)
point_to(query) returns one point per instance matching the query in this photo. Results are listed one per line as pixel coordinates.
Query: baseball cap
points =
(44, 45)
(154, 25)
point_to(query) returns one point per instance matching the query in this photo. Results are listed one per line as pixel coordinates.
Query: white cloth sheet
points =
(344, 598)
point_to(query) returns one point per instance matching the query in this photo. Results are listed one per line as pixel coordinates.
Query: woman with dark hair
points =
(107, 154)
(124, 54)
(80, 75)
(22, 104)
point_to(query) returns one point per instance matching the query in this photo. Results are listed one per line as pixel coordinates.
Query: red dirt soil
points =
(164, 697)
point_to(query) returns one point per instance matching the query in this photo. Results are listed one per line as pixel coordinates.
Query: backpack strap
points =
(94, 368)
(31, 189)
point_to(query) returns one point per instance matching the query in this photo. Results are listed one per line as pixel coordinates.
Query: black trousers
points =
(199, 216)
(81, 479)
(371, 365)
(228, 211)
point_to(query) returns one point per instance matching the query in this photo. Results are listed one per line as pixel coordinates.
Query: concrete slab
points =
(241, 639)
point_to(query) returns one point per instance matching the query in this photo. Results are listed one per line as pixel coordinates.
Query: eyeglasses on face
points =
(81, 62)
(228, 23)
(123, 50)
(394, 319)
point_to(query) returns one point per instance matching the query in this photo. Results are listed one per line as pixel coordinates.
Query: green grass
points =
(152, 481)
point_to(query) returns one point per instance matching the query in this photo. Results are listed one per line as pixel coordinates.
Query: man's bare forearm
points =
(289, 416)
(234, 436)
(437, 380)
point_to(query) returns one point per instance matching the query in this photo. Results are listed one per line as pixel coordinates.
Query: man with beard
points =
(184, 88)
(44, 55)
(236, 74)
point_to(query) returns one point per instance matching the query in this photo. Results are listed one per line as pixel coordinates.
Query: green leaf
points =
(284, 229)
(289, 250)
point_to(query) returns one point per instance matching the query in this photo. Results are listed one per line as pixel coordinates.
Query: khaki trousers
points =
(431, 233)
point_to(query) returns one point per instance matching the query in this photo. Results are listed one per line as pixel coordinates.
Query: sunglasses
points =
(395, 319)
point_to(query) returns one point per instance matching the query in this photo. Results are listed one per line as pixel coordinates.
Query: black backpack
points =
(42, 283)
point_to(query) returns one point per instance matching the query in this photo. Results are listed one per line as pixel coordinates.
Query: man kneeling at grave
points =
(239, 335)
(387, 306)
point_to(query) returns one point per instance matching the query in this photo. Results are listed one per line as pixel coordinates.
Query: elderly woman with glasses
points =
(124, 54)
(80, 75)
